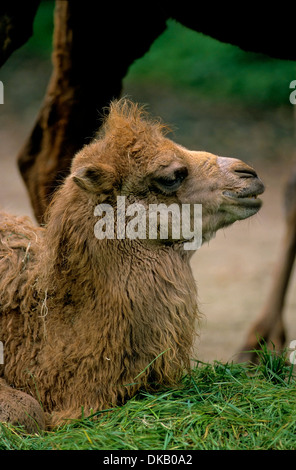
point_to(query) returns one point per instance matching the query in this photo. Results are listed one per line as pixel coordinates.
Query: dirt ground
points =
(233, 271)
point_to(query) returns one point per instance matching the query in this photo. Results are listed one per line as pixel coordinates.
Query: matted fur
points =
(81, 320)
(86, 323)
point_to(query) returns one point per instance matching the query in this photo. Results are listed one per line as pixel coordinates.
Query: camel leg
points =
(270, 326)
(19, 408)
(68, 118)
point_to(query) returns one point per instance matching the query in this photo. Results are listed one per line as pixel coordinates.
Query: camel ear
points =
(96, 179)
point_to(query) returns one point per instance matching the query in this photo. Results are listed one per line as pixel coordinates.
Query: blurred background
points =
(217, 98)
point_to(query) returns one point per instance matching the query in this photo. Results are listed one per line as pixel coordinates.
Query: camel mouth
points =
(250, 200)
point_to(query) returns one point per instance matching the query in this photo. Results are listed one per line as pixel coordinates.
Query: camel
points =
(87, 322)
(77, 89)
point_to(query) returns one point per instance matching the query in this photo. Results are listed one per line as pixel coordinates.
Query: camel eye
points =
(171, 182)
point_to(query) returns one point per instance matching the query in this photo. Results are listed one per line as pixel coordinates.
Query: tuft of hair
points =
(125, 114)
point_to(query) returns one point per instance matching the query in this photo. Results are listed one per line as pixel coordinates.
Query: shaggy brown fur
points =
(87, 322)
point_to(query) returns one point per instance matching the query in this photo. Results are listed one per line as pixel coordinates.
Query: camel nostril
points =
(246, 173)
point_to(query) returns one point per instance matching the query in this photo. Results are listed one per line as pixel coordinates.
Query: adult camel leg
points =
(269, 326)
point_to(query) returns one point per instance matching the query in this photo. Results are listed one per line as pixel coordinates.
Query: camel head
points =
(132, 157)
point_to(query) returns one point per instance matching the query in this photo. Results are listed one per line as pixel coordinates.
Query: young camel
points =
(87, 322)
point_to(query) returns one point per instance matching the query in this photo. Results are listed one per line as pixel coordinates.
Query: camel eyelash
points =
(171, 182)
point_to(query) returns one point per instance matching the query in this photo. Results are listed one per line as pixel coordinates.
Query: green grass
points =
(221, 406)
